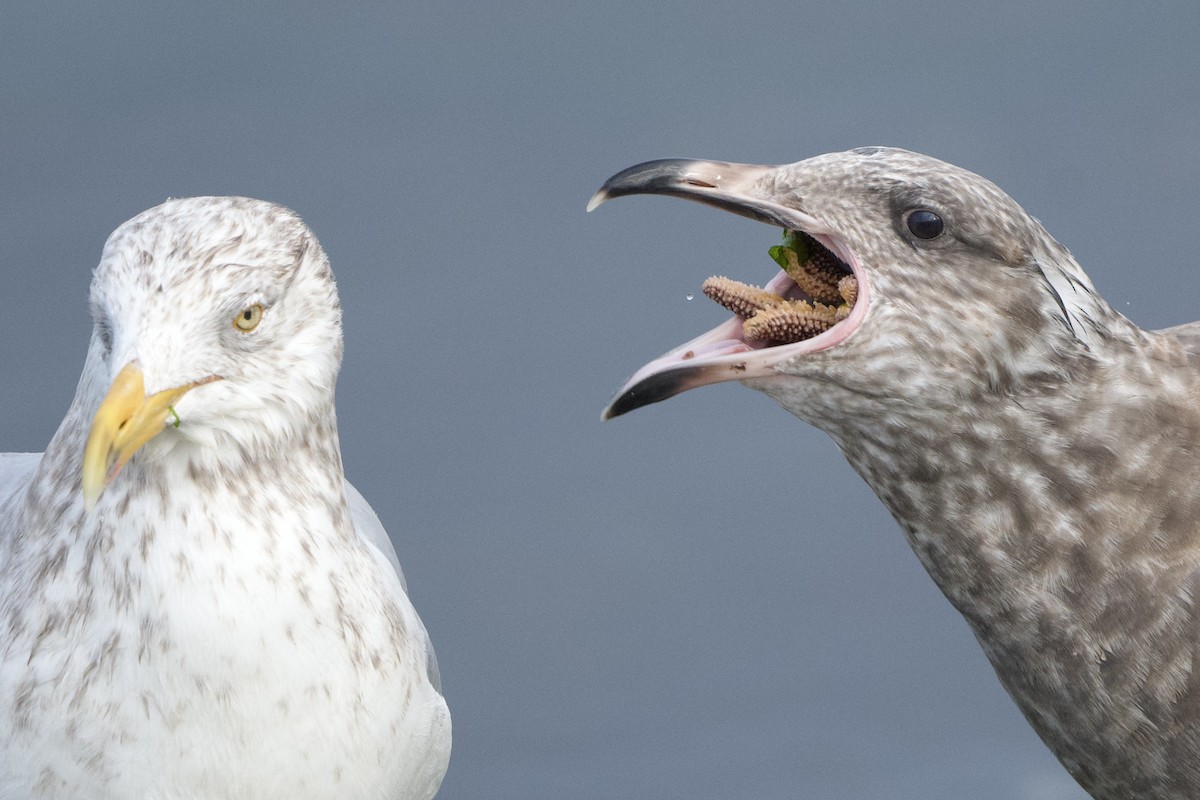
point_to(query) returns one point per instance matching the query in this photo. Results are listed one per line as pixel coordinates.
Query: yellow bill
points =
(125, 421)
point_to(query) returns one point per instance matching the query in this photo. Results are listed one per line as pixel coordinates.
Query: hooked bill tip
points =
(598, 198)
(655, 388)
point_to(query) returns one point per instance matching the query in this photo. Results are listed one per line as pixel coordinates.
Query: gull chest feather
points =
(1076, 564)
(242, 643)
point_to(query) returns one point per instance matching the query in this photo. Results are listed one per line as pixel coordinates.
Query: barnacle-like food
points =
(826, 291)
(814, 269)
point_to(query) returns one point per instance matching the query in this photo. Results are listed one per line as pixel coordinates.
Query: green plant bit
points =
(814, 269)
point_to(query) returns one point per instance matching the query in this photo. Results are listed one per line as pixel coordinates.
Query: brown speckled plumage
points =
(1040, 452)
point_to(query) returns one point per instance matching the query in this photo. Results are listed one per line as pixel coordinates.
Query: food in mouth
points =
(821, 294)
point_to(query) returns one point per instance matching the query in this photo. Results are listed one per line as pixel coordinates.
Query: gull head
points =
(928, 285)
(217, 327)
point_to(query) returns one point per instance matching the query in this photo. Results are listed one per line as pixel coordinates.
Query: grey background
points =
(699, 600)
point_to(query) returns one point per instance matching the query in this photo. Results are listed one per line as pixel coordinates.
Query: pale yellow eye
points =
(248, 318)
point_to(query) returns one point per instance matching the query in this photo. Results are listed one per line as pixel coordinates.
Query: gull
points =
(194, 602)
(1040, 452)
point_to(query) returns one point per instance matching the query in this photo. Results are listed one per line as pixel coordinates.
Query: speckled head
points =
(958, 288)
(217, 315)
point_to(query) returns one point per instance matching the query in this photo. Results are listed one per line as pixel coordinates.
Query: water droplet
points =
(690, 296)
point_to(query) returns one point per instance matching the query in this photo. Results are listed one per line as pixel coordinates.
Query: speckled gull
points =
(194, 603)
(1040, 451)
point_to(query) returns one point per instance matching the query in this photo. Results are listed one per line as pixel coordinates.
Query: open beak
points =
(740, 188)
(723, 353)
(125, 421)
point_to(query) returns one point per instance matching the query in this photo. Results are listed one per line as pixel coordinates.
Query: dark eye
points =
(925, 224)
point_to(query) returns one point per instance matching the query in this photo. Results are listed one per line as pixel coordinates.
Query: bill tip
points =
(598, 198)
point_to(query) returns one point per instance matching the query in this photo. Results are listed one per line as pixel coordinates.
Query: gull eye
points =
(248, 318)
(924, 224)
